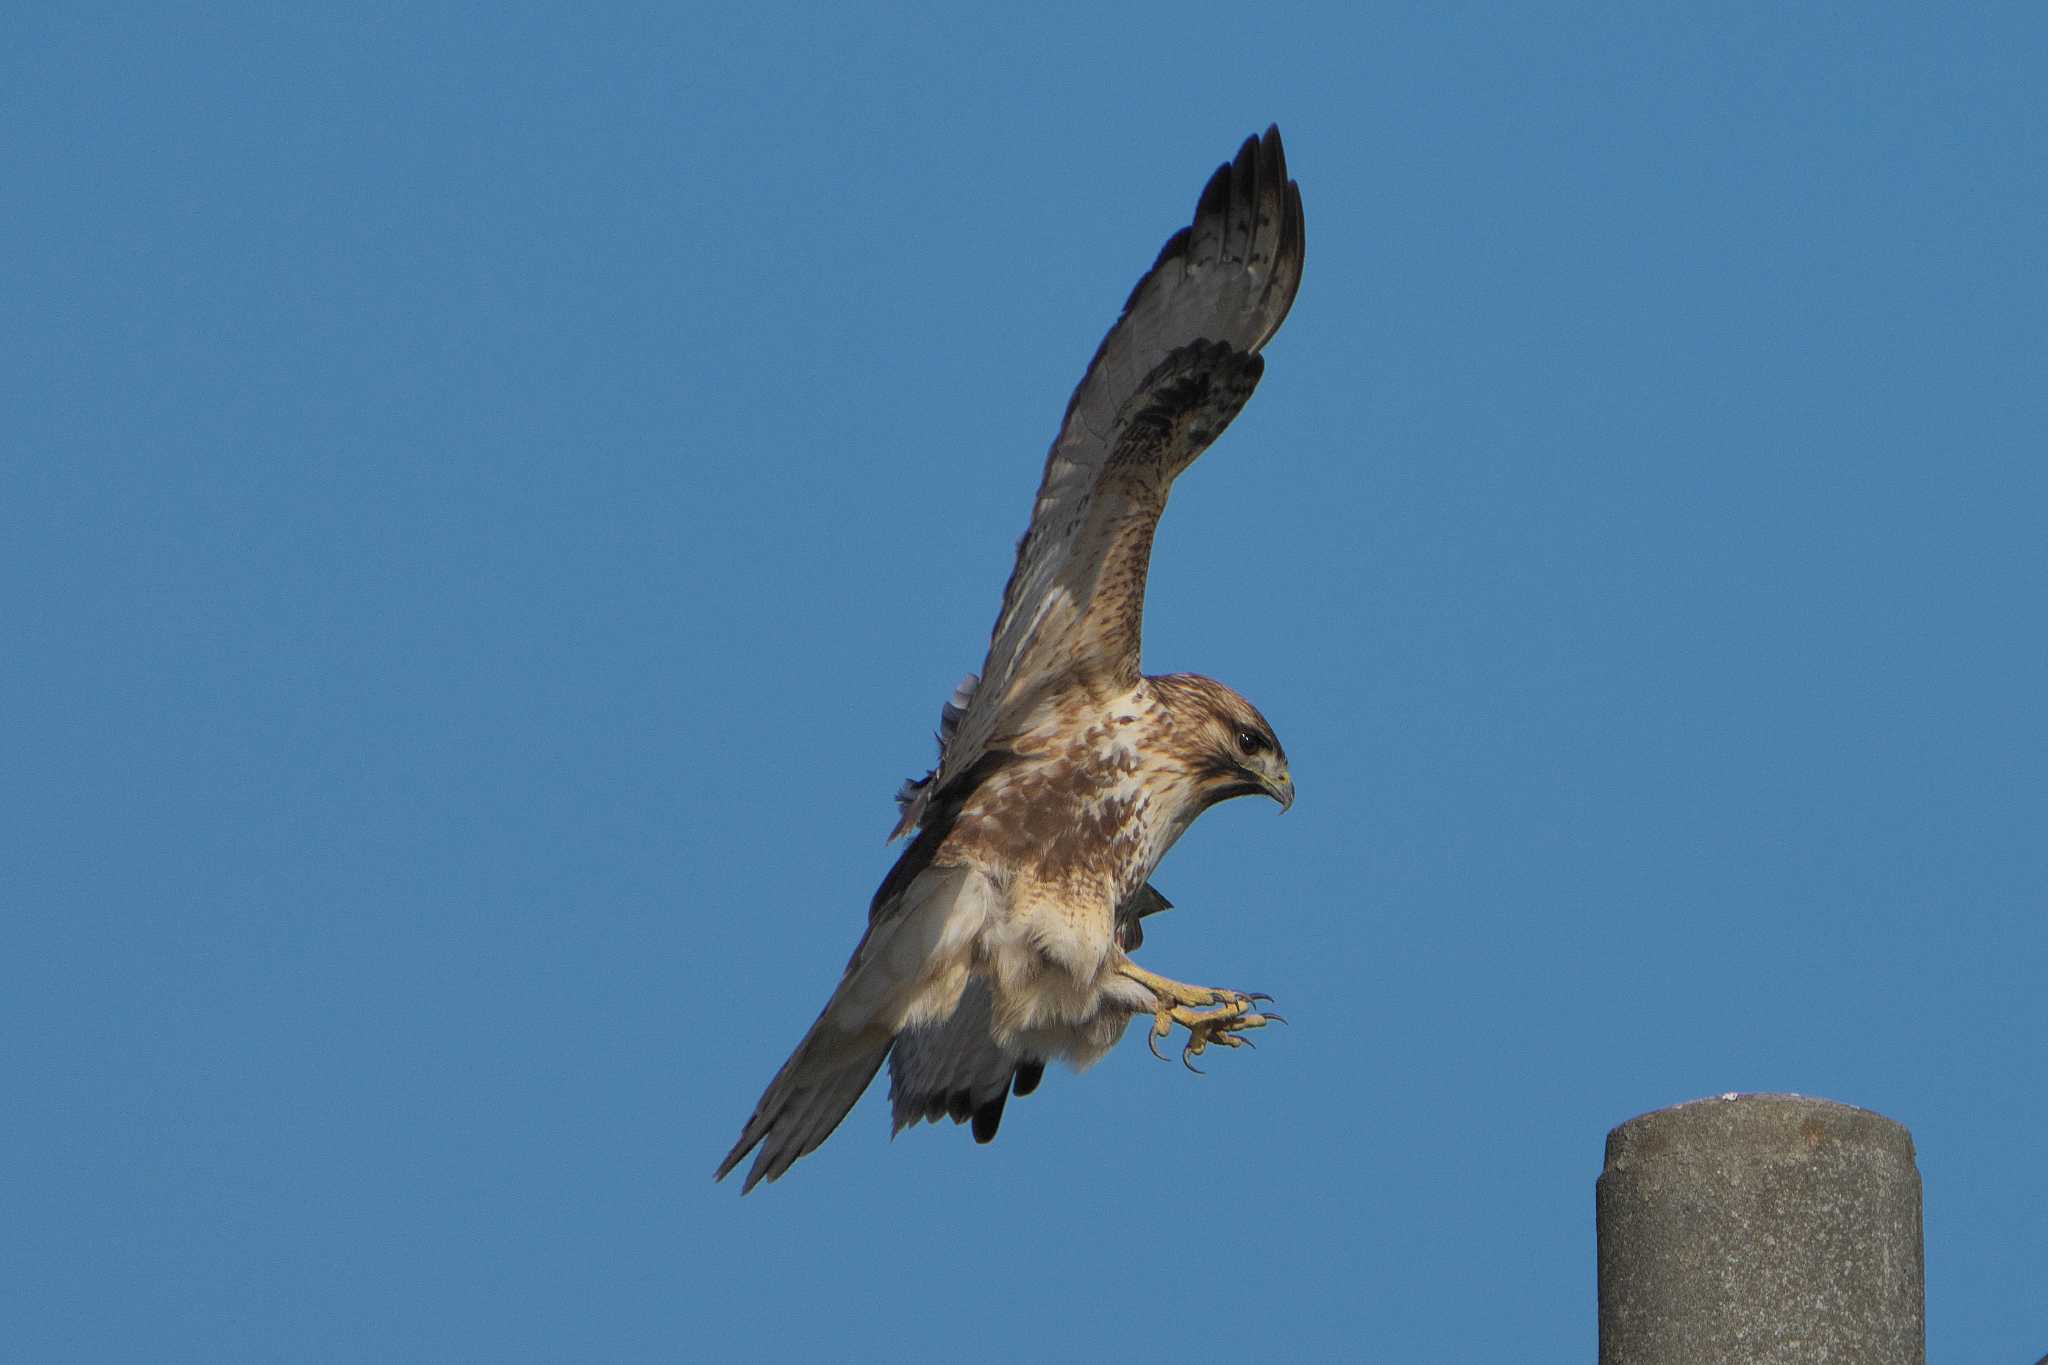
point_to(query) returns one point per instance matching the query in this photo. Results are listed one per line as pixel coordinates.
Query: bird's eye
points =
(1250, 742)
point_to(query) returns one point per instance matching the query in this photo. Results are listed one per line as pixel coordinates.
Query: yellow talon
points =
(1209, 1014)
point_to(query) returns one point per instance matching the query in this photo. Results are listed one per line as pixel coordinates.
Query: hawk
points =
(1001, 939)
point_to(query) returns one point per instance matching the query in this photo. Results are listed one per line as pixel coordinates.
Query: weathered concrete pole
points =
(1760, 1229)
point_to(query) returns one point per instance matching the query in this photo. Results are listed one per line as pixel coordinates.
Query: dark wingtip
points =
(1175, 245)
(1246, 169)
(1216, 194)
(1260, 161)
(1029, 1074)
(1274, 152)
(733, 1158)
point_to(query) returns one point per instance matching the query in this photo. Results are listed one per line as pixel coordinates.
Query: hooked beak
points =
(1281, 789)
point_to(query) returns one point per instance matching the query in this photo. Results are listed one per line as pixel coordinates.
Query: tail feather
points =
(810, 1095)
(955, 1069)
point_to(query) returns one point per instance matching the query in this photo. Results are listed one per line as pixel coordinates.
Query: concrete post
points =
(1764, 1230)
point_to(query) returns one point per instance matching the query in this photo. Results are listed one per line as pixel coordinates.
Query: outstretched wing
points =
(1168, 378)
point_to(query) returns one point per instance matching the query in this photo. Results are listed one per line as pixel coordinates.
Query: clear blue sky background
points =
(494, 498)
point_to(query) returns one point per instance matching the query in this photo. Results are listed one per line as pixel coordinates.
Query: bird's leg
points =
(1210, 1014)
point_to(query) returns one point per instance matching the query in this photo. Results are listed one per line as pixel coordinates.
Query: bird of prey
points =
(1001, 939)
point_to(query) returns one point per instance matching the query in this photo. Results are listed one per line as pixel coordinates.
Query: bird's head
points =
(1231, 748)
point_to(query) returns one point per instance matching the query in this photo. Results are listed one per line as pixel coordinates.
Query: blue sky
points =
(495, 497)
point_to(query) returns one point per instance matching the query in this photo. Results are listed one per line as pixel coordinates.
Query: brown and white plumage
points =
(1001, 938)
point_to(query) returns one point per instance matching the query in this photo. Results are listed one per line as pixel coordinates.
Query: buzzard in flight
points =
(1002, 938)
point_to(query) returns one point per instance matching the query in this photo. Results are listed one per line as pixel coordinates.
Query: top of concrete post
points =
(1745, 1127)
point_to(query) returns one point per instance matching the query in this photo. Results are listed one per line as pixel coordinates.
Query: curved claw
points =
(1220, 1027)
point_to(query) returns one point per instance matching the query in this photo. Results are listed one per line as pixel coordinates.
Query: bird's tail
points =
(954, 1068)
(810, 1095)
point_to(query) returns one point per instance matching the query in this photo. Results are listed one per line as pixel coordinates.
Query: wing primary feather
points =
(806, 1101)
(1243, 220)
(1175, 245)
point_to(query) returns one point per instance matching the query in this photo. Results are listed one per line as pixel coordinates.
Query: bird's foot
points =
(1210, 1014)
(1221, 1026)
